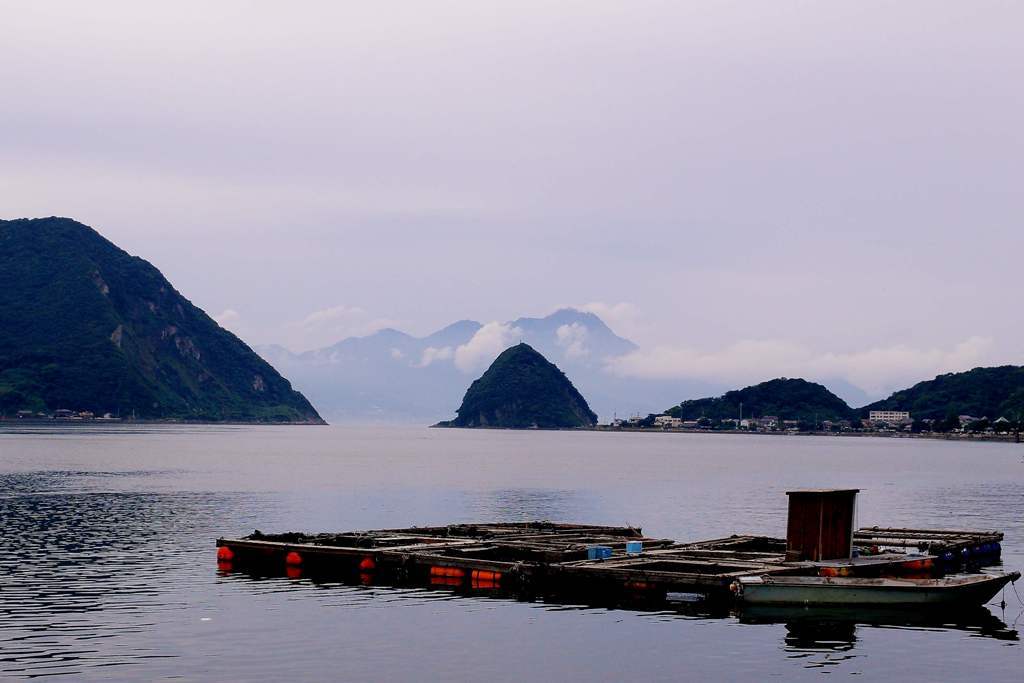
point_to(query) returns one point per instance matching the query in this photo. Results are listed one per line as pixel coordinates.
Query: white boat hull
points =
(975, 589)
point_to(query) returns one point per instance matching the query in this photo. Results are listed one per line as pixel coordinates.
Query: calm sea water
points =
(107, 566)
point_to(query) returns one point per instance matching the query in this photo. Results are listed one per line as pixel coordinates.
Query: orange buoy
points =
(367, 564)
(445, 581)
(225, 554)
(923, 564)
(293, 559)
(835, 571)
(485, 575)
(639, 585)
(447, 572)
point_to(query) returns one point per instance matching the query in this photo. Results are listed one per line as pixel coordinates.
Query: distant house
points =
(893, 417)
(668, 422)
(967, 419)
(769, 422)
(690, 424)
(24, 413)
(63, 414)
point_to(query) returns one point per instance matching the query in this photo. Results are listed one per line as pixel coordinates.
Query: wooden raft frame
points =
(547, 558)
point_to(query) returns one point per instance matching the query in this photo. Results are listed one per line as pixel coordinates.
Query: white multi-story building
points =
(889, 416)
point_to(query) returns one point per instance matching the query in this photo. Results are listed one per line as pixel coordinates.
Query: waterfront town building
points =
(889, 416)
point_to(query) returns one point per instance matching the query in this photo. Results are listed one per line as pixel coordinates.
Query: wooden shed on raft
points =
(821, 524)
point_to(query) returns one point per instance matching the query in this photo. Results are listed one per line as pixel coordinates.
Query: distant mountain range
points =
(86, 327)
(391, 376)
(982, 392)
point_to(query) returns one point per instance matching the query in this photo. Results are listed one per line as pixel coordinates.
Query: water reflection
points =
(807, 630)
(107, 557)
(527, 504)
(835, 629)
(57, 481)
(81, 573)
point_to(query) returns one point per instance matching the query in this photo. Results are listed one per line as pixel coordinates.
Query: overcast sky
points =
(746, 189)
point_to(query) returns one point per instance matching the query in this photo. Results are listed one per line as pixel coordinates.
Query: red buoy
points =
(225, 554)
(367, 564)
(447, 572)
(293, 559)
(445, 581)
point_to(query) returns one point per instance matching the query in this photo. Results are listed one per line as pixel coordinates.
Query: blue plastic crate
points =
(634, 547)
(599, 552)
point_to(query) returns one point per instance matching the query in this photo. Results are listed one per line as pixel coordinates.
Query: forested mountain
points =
(85, 326)
(982, 392)
(787, 399)
(521, 389)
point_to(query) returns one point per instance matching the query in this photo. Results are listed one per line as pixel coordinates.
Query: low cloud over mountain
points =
(388, 375)
(392, 376)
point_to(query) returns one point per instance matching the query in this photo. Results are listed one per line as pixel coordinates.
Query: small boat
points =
(969, 589)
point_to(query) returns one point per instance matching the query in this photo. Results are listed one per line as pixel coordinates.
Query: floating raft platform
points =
(932, 541)
(580, 561)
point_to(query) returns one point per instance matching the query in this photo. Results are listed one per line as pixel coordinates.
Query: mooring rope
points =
(1014, 587)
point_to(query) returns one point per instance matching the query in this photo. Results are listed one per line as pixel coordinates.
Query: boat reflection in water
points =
(807, 628)
(835, 628)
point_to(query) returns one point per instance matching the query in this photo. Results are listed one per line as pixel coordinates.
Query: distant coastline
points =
(947, 436)
(62, 422)
(951, 436)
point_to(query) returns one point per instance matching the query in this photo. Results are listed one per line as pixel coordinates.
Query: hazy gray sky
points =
(747, 189)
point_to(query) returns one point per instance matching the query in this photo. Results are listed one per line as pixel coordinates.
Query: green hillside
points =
(521, 390)
(982, 392)
(86, 326)
(787, 399)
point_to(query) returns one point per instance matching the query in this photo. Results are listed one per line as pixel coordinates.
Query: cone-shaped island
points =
(522, 390)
